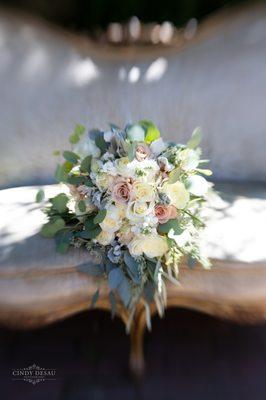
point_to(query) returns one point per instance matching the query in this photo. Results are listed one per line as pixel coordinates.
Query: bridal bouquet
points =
(133, 201)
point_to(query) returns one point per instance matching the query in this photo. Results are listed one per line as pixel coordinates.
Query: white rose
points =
(105, 238)
(104, 181)
(122, 166)
(86, 147)
(136, 133)
(137, 210)
(177, 194)
(112, 221)
(143, 192)
(151, 245)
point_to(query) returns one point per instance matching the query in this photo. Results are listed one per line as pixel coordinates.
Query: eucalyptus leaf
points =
(39, 196)
(63, 239)
(174, 175)
(76, 135)
(100, 217)
(195, 139)
(85, 165)
(133, 267)
(95, 298)
(92, 234)
(70, 156)
(82, 206)
(124, 291)
(59, 202)
(171, 224)
(100, 142)
(52, 227)
(115, 278)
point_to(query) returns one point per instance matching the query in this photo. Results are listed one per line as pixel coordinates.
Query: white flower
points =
(182, 239)
(122, 166)
(145, 170)
(109, 168)
(112, 221)
(136, 133)
(137, 210)
(86, 147)
(158, 146)
(143, 192)
(103, 181)
(177, 194)
(105, 238)
(151, 245)
(197, 185)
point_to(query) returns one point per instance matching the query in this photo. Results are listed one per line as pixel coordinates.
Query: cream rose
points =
(112, 220)
(177, 194)
(137, 210)
(142, 192)
(104, 181)
(105, 238)
(151, 245)
(121, 166)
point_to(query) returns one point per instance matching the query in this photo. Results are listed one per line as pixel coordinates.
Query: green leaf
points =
(100, 217)
(195, 139)
(78, 132)
(89, 224)
(61, 173)
(152, 132)
(85, 165)
(174, 175)
(133, 267)
(115, 278)
(171, 224)
(124, 291)
(59, 202)
(91, 269)
(52, 227)
(70, 156)
(82, 206)
(100, 142)
(95, 298)
(63, 239)
(206, 172)
(39, 196)
(92, 234)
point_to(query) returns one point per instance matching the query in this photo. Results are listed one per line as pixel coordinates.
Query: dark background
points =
(86, 15)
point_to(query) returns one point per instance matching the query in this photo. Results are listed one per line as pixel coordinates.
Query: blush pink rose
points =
(121, 191)
(142, 152)
(165, 212)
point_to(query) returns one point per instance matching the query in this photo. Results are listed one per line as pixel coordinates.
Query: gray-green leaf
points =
(100, 217)
(70, 156)
(59, 202)
(52, 227)
(85, 165)
(39, 196)
(195, 139)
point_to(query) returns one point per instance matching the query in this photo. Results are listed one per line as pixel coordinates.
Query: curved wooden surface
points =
(39, 286)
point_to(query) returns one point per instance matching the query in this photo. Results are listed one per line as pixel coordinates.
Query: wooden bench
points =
(39, 286)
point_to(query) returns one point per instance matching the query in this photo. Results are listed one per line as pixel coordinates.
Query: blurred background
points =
(181, 64)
